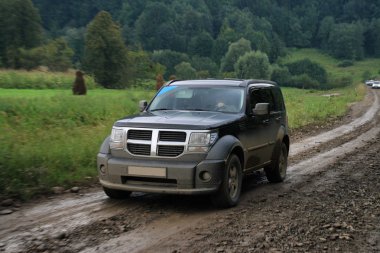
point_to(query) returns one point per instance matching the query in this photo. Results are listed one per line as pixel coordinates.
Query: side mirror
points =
(261, 109)
(142, 105)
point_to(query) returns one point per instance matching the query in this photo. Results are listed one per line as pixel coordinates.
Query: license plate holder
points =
(147, 171)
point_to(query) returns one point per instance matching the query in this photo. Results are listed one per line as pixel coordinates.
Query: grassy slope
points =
(331, 64)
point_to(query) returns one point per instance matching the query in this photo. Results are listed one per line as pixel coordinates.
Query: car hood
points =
(197, 120)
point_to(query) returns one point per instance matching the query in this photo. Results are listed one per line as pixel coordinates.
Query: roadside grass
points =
(22, 79)
(50, 137)
(355, 71)
(307, 107)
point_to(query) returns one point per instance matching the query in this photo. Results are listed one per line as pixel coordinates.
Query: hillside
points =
(370, 65)
(117, 42)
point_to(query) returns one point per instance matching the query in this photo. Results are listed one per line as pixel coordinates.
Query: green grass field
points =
(331, 64)
(21, 79)
(50, 137)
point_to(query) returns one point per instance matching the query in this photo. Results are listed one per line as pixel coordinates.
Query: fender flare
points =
(223, 148)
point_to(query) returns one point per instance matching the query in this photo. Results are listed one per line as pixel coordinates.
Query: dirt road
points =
(329, 202)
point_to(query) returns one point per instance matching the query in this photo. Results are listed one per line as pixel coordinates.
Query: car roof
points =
(223, 82)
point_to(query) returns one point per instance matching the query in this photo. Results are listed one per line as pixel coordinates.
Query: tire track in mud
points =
(90, 219)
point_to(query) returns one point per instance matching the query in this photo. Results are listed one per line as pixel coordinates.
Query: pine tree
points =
(105, 52)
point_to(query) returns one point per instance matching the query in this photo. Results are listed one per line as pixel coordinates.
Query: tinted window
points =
(262, 96)
(279, 101)
(199, 98)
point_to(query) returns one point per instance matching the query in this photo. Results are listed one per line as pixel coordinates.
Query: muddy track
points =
(164, 223)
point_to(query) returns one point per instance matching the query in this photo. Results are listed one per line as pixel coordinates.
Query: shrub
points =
(312, 69)
(366, 75)
(304, 81)
(203, 74)
(345, 63)
(281, 75)
(253, 65)
(184, 70)
(343, 81)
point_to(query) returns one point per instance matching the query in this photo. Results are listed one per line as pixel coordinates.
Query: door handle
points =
(278, 118)
(266, 121)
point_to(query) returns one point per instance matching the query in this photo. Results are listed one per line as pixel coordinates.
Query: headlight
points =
(201, 142)
(116, 141)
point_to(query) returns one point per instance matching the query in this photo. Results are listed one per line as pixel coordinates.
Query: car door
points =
(260, 134)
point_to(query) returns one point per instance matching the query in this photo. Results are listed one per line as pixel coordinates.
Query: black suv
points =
(198, 137)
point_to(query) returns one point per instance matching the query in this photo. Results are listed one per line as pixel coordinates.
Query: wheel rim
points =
(233, 180)
(283, 163)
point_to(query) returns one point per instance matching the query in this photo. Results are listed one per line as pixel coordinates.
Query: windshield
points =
(196, 98)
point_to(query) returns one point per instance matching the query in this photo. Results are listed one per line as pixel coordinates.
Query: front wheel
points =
(229, 192)
(116, 194)
(276, 172)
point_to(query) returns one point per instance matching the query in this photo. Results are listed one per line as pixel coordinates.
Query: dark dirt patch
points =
(337, 210)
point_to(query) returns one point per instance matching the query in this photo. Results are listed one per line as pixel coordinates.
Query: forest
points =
(122, 41)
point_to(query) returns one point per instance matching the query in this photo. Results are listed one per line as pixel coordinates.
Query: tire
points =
(228, 194)
(276, 172)
(116, 194)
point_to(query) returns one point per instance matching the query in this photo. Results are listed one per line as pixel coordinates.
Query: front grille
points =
(170, 151)
(172, 136)
(165, 143)
(139, 149)
(145, 135)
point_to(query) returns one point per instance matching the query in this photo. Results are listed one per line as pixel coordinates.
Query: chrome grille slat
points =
(170, 151)
(172, 136)
(139, 149)
(134, 134)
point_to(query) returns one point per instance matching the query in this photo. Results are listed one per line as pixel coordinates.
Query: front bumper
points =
(160, 176)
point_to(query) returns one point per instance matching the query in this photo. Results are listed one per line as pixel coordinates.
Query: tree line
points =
(122, 41)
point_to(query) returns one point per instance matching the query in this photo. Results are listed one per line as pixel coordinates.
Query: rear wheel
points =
(229, 192)
(116, 194)
(276, 172)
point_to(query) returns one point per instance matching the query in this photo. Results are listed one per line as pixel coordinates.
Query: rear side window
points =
(279, 100)
(262, 96)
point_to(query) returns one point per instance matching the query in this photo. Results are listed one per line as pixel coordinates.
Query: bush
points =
(366, 75)
(56, 55)
(235, 50)
(203, 74)
(345, 63)
(304, 81)
(340, 82)
(202, 64)
(281, 75)
(184, 70)
(169, 59)
(314, 70)
(254, 64)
